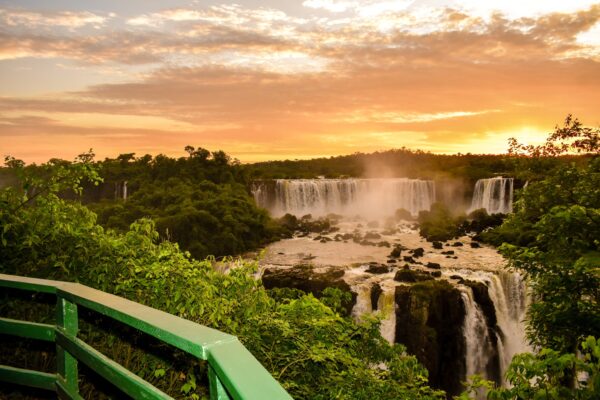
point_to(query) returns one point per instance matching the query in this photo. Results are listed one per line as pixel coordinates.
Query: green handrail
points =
(233, 372)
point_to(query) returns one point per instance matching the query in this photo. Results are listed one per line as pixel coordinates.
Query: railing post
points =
(67, 320)
(216, 388)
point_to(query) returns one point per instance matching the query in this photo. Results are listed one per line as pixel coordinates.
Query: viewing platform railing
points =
(233, 372)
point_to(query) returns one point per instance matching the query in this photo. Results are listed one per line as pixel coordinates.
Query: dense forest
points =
(203, 201)
(60, 220)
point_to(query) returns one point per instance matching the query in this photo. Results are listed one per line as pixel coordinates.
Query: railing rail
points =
(233, 372)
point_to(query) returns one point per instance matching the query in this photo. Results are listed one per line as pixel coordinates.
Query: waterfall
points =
(479, 346)
(260, 191)
(363, 302)
(121, 190)
(493, 194)
(508, 293)
(367, 197)
(387, 307)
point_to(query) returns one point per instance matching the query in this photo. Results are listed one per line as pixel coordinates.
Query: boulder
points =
(375, 293)
(433, 265)
(475, 245)
(457, 244)
(396, 252)
(418, 252)
(410, 276)
(378, 269)
(437, 245)
(429, 321)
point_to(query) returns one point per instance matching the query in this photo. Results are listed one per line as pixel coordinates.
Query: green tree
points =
(554, 239)
(542, 376)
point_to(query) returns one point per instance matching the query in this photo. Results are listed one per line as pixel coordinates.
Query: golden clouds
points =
(260, 83)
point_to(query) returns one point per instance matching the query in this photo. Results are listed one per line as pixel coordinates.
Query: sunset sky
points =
(292, 79)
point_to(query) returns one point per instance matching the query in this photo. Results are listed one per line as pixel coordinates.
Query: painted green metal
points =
(181, 333)
(29, 284)
(217, 390)
(30, 330)
(236, 368)
(64, 392)
(67, 321)
(233, 372)
(113, 372)
(26, 377)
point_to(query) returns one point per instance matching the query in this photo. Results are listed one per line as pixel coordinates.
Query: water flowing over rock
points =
(459, 316)
(493, 194)
(509, 294)
(494, 325)
(363, 302)
(387, 308)
(481, 355)
(367, 197)
(121, 190)
(474, 326)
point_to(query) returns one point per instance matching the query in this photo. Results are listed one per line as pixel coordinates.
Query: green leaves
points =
(311, 348)
(548, 375)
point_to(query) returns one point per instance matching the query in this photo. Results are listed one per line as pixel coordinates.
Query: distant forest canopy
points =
(203, 201)
(395, 163)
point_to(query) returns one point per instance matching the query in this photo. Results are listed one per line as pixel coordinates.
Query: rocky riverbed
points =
(452, 304)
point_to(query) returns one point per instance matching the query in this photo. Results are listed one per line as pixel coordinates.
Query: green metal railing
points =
(233, 372)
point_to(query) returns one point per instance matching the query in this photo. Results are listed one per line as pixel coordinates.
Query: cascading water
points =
(386, 305)
(363, 301)
(479, 346)
(493, 194)
(121, 190)
(367, 197)
(507, 291)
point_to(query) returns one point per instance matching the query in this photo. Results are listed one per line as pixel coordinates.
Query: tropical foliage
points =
(553, 238)
(304, 342)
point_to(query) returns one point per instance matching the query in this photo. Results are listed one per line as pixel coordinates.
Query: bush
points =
(438, 224)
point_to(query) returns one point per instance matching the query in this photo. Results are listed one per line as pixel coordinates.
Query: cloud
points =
(259, 82)
(34, 19)
(237, 36)
(396, 117)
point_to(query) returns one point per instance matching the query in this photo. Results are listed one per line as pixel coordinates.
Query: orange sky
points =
(274, 80)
